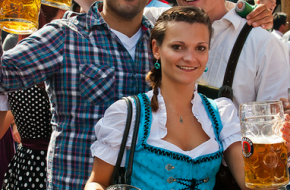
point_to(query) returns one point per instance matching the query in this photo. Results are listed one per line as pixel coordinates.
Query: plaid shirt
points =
(86, 69)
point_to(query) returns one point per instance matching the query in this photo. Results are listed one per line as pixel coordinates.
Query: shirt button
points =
(206, 180)
(171, 180)
(169, 167)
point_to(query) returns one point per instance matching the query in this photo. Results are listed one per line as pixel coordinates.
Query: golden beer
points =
(61, 4)
(265, 163)
(19, 16)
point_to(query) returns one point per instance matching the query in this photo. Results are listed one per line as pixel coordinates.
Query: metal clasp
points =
(228, 89)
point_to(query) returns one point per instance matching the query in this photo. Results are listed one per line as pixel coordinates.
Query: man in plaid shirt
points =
(86, 68)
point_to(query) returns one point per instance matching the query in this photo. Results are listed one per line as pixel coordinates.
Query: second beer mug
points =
(61, 4)
(264, 150)
(19, 16)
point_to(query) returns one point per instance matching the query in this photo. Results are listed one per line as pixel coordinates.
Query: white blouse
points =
(109, 129)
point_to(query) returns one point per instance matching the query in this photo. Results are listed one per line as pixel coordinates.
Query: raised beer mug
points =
(264, 150)
(61, 4)
(19, 16)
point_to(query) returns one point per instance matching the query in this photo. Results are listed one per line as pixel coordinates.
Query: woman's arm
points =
(234, 159)
(6, 118)
(100, 176)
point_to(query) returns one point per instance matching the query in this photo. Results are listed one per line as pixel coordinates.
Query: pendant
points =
(181, 120)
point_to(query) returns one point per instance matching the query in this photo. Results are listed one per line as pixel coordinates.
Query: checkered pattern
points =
(86, 69)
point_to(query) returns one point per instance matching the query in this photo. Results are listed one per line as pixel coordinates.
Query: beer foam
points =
(264, 140)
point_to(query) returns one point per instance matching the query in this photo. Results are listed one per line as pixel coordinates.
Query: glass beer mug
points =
(122, 187)
(19, 16)
(61, 4)
(264, 150)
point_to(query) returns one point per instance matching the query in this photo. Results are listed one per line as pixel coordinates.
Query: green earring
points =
(206, 69)
(157, 65)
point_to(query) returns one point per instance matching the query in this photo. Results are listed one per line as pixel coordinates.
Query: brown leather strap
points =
(226, 90)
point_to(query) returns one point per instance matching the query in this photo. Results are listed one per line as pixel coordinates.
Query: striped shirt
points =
(86, 69)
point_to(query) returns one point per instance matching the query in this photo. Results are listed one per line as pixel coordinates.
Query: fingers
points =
(286, 133)
(285, 103)
(17, 137)
(15, 132)
(260, 16)
(287, 117)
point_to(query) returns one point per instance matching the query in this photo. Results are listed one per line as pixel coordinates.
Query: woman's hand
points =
(15, 133)
(260, 16)
(286, 105)
(286, 131)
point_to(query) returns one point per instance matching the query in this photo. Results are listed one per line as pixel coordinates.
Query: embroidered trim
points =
(190, 184)
(176, 156)
(211, 112)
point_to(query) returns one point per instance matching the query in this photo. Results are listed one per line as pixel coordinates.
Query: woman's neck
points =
(177, 97)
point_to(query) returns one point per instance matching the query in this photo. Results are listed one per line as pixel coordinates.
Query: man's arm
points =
(33, 60)
(272, 69)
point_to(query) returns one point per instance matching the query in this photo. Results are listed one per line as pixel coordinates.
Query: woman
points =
(32, 114)
(182, 142)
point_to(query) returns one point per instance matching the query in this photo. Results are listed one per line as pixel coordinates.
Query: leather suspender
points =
(226, 90)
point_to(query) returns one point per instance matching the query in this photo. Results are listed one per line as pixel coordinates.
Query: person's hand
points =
(286, 131)
(15, 134)
(286, 105)
(260, 16)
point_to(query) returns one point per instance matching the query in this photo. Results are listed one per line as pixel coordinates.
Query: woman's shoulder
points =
(225, 103)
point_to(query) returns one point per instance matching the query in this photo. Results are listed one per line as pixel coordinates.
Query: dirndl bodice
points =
(158, 168)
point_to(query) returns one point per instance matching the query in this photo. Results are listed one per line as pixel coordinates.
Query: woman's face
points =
(183, 53)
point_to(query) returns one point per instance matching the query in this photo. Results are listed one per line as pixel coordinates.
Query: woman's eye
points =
(176, 47)
(201, 48)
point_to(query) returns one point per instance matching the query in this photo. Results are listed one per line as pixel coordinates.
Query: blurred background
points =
(282, 6)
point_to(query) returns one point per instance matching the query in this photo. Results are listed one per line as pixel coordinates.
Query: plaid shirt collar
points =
(94, 18)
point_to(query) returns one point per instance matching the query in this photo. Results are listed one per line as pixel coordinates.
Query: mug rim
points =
(261, 102)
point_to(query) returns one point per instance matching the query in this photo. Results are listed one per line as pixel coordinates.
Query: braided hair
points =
(187, 14)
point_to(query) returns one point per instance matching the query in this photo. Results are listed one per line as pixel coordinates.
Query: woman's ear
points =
(155, 49)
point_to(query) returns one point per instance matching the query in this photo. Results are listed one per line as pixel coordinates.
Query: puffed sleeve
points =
(109, 132)
(231, 131)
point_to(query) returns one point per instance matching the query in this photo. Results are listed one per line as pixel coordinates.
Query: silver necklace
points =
(180, 116)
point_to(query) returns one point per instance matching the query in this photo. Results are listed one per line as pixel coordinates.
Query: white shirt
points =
(4, 106)
(288, 44)
(262, 72)
(277, 34)
(109, 129)
(129, 43)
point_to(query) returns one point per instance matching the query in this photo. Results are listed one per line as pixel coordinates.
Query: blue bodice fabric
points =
(157, 168)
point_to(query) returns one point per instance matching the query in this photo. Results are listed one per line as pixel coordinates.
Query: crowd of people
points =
(64, 82)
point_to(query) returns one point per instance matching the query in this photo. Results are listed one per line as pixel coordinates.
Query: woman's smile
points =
(188, 68)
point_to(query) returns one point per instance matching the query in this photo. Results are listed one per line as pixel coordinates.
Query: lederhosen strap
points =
(226, 89)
